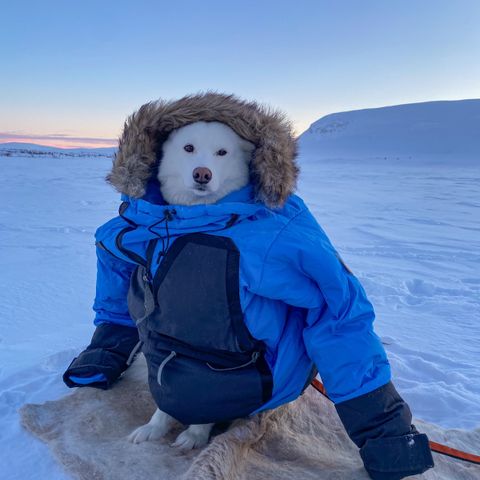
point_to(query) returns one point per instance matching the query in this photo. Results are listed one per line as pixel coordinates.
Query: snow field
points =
(410, 231)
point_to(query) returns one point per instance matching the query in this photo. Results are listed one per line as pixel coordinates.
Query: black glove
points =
(379, 423)
(104, 360)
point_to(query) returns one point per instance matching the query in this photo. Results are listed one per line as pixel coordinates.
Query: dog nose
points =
(202, 175)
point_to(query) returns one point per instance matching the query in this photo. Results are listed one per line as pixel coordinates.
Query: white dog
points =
(201, 163)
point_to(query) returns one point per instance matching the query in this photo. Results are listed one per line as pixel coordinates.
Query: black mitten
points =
(104, 360)
(379, 423)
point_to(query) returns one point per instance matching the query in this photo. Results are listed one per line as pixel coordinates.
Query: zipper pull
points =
(169, 214)
(173, 354)
(146, 277)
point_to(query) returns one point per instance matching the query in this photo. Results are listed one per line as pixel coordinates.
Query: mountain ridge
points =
(442, 128)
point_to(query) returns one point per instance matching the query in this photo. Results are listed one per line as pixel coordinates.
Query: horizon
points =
(113, 143)
(73, 73)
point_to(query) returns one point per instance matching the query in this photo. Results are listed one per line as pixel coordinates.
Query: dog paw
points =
(146, 433)
(189, 439)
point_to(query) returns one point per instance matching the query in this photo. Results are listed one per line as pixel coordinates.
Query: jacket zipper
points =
(101, 245)
(128, 253)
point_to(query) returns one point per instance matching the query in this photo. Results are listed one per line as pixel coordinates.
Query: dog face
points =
(202, 162)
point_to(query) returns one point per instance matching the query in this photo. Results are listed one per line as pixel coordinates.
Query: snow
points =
(409, 229)
(51, 208)
(411, 233)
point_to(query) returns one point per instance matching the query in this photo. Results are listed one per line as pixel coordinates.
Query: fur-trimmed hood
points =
(273, 169)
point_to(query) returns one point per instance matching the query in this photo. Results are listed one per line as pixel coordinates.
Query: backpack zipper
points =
(254, 358)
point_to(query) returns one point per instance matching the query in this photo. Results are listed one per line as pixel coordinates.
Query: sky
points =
(71, 72)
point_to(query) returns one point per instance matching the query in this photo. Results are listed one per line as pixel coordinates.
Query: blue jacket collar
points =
(202, 217)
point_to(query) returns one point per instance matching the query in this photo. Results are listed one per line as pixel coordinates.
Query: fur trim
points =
(273, 168)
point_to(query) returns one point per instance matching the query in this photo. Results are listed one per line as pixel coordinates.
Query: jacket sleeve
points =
(115, 339)
(303, 269)
(379, 423)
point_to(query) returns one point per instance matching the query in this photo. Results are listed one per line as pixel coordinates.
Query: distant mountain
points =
(444, 128)
(15, 149)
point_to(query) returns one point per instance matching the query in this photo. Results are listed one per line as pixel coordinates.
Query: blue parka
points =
(296, 294)
(296, 297)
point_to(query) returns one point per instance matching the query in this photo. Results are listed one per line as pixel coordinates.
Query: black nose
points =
(202, 175)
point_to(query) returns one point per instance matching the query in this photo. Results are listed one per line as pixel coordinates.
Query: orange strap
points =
(454, 453)
(434, 446)
(318, 385)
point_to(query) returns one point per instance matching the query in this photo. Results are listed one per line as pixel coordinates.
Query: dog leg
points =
(155, 429)
(195, 436)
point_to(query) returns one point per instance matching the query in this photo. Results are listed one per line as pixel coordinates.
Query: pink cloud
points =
(58, 140)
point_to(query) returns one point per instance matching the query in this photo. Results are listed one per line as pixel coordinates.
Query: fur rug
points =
(303, 440)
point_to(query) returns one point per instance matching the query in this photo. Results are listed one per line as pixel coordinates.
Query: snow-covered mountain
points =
(440, 129)
(16, 149)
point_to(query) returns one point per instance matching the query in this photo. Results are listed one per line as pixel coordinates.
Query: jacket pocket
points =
(198, 387)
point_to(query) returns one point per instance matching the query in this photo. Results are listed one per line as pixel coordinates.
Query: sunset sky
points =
(72, 71)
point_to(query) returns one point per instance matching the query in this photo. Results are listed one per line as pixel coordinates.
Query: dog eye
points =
(189, 148)
(222, 152)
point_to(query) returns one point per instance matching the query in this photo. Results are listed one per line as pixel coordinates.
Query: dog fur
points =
(273, 169)
(216, 148)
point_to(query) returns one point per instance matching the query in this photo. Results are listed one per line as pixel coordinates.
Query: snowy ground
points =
(410, 232)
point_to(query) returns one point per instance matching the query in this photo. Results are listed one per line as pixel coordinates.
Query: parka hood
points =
(273, 168)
